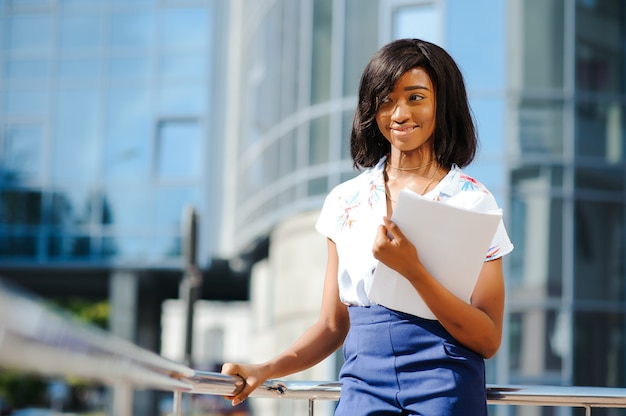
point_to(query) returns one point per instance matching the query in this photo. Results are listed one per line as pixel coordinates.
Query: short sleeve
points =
(328, 219)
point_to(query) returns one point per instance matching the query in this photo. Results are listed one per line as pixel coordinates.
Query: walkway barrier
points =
(36, 338)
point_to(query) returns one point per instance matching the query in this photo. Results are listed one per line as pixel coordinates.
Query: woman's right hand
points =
(251, 374)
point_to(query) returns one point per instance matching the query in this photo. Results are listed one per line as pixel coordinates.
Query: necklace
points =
(432, 178)
(406, 169)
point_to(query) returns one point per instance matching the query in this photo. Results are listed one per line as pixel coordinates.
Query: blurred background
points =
(116, 116)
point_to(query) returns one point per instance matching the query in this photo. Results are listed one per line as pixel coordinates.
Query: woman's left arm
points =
(477, 325)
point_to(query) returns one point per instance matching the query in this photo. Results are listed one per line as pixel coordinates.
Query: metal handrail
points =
(37, 339)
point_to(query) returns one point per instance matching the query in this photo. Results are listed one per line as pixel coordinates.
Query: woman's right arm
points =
(317, 342)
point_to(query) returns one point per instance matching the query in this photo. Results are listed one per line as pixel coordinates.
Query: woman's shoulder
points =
(461, 189)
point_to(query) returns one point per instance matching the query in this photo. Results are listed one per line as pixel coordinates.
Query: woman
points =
(412, 129)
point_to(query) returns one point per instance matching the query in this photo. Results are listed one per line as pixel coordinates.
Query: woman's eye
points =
(416, 97)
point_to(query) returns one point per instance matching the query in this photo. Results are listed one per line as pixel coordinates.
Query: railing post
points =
(311, 409)
(178, 403)
(587, 410)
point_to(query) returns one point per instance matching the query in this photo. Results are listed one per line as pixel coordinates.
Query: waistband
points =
(365, 315)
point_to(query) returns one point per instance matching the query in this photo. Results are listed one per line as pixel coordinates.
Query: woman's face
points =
(406, 117)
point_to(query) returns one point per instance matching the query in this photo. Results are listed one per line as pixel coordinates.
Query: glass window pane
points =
(129, 208)
(536, 227)
(319, 141)
(599, 349)
(179, 65)
(540, 341)
(421, 22)
(182, 99)
(321, 59)
(80, 32)
(73, 69)
(18, 244)
(20, 207)
(599, 251)
(179, 150)
(600, 32)
(171, 203)
(600, 131)
(64, 246)
(540, 126)
(75, 144)
(360, 43)
(137, 67)
(73, 208)
(30, 33)
(600, 178)
(542, 37)
(132, 30)
(25, 102)
(128, 134)
(22, 152)
(30, 69)
(184, 28)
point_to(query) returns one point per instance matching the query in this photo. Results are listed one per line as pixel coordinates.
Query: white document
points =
(451, 242)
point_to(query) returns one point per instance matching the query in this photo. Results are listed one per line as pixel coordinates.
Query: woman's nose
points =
(400, 113)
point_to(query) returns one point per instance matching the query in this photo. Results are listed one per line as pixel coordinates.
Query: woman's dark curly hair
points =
(455, 139)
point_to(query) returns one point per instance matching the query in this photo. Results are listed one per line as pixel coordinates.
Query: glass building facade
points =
(105, 128)
(115, 115)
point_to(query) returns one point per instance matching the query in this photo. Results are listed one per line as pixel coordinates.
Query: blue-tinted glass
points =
(179, 150)
(128, 134)
(75, 141)
(29, 33)
(20, 207)
(129, 68)
(600, 132)
(184, 28)
(182, 66)
(182, 99)
(17, 244)
(132, 30)
(21, 153)
(29, 69)
(127, 247)
(171, 203)
(421, 22)
(129, 207)
(80, 32)
(73, 208)
(26, 101)
(164, 247)
(64, 246)
(463, 34)
(72, 69)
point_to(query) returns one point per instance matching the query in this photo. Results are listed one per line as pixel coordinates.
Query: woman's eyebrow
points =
(416, 87)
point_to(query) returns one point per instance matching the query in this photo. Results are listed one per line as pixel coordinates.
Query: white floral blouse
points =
(353, 210)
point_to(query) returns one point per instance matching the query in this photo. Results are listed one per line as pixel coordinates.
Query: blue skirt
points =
(400, 364)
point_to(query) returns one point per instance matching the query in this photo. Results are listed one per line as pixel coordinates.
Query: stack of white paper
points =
(451, 242)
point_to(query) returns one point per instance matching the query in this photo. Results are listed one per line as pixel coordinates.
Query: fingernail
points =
(236, 402)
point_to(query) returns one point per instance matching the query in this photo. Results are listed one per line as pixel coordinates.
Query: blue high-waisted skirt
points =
(400, 364)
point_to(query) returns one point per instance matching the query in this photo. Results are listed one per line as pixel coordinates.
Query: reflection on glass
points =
(171, 203)
(75, 144)
(127, 149)
(358, 17)
(18, 244)
(30, 33)
(599, 348)
(22, 158)
(182, 99)
(600, 131)
(599, 251)
(184, 28)
(73, 207)
(82, 31)
(179, 150)
(319, 141)
(20, 207)
(540, 341)
(600, 31)
(417, 22)
(30, 69)
(137, 67)
(129, 207)
(321, 59)
(540, 127)
(71, 69)
(64, 246)
(181, 65)
(26, 101)
(600, 178)
(542, 35)
(132, 30)
(536, 224)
